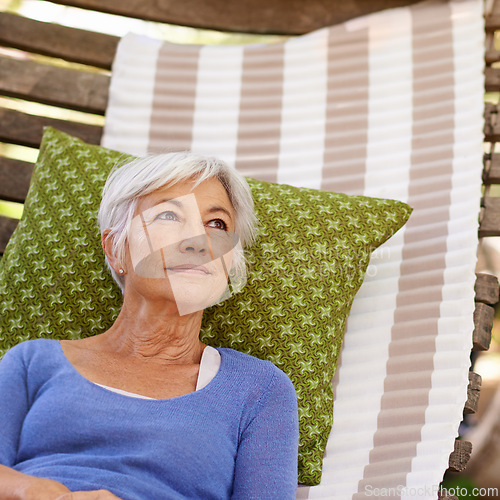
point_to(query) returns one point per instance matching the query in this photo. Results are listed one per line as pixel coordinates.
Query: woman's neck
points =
(148, 332)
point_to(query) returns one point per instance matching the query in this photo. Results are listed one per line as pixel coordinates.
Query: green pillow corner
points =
(308, 262)
(307, 265)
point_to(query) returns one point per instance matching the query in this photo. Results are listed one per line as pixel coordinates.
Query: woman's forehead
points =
(206, 194)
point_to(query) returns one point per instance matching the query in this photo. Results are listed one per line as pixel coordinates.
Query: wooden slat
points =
(15, 176)
(492, 8)
(443, 495)
(491, 56)
(491, 173)
(67, 88)
(473, 391)
(490, 217)
(483, 323)
(26, 130)
(485, 437)
(7, 226)
(487, 289)
(491, 123)
(289, 17)
(460, 455)
(85, 47)
(491, 23)
(492, 79)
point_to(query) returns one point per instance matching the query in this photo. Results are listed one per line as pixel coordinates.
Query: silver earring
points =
(121, 271)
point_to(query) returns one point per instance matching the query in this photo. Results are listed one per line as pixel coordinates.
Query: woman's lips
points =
(189, 268)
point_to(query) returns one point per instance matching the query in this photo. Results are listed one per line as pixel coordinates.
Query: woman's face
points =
(180, 245)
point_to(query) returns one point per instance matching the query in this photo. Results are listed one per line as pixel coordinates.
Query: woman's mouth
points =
(188, 268)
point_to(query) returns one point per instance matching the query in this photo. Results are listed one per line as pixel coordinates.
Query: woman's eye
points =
(168, 215)
(218, 224)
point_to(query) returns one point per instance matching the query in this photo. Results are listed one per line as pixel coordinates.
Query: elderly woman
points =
(145, 410)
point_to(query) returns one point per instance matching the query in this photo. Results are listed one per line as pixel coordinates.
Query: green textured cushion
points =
(308, 263)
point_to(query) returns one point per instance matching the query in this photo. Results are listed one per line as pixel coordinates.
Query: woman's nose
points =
(195, 244)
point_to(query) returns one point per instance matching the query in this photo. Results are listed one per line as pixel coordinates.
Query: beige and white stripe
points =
(217, 102)
(259, 122)
(388, 105)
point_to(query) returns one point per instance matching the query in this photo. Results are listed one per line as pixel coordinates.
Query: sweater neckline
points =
(212, 385)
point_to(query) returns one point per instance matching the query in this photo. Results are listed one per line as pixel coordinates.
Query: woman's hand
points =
(41, 489)
(89, 495)
(15, 485)
(47, 489)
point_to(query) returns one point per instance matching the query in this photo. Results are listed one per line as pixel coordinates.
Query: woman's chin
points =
(191, 305)
(191, 297)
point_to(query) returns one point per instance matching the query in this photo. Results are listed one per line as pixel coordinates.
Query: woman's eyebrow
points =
(219, 209)
(175, 201)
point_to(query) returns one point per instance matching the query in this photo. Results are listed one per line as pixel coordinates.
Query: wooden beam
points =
(286, 17)
(487, 293)
(490, 217)
(483, 324)
(15, 176)
(492, 23)
(63, 87)
(444, 495)
(7, 226)
(487, 289)
(492, 56)
(491, 123)
(27, 130)
(491, 173)
(70, 44)
(473, 390)
(460, 455)
(492, 79)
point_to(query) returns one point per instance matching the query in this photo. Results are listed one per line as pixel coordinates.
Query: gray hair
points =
(132, 180)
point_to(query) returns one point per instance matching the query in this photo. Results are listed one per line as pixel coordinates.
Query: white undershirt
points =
(209, 366)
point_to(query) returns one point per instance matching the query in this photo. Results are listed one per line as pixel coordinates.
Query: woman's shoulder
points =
(34, 345)
(258, 384)
(34, 361)
(252, 368)
(31, 349)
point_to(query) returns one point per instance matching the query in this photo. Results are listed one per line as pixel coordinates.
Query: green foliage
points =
(461, 486)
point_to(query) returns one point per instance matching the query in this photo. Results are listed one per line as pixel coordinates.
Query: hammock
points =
(387, 105)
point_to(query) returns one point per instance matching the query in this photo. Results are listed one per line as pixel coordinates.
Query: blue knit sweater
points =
(236, 438)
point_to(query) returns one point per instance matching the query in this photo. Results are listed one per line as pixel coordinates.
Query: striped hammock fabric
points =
(388, 105)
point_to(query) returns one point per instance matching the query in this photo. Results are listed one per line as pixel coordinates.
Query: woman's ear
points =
(107, 246)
